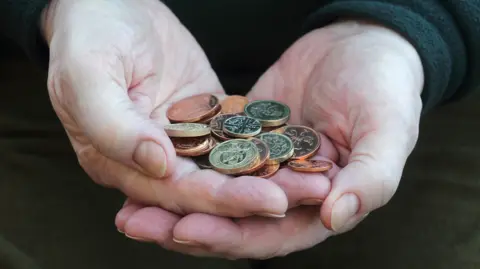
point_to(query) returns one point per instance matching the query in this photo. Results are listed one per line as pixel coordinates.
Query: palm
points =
(111, 84)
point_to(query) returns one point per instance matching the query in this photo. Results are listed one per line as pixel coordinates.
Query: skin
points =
(115, 68)
(355, 82)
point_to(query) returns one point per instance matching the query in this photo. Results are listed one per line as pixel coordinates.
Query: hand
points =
(359, 84)
(115, 68)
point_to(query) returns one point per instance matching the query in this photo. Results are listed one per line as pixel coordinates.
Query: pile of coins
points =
(238, 137)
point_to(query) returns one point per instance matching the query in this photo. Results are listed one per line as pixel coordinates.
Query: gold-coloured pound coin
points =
(186, 129)
(281, 147)
(234, 156)
(270, 113)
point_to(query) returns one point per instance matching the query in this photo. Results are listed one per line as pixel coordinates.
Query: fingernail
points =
(151, 157)
(120, 231)
(270, 215)
(186, 242)
(139, 239)
(344, 208)
(311, 202)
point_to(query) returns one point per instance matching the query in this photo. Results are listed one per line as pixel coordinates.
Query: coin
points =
(270, 129)
(186, 129)
(216, 126)
(268, 112)
(202, 162)
(311, 166)
(281, 147)
(211, 143)
(233, 104)
(193, 109)
(263, 153)
(241, 126)
(266, 171)
(234, 156)
(306, 141)
(186, 146)
(209, 119)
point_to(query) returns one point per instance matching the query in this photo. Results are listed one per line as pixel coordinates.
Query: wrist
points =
(46, 21)
(392, 41)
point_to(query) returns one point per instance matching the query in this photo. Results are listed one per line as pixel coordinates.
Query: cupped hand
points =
(254, 237)
(115, 67)
(359, 84)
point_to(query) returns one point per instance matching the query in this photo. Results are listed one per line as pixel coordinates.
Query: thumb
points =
(105, 114)
(370, 178)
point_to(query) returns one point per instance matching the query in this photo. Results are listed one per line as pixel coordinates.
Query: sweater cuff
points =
(24, 29)
(432, 48)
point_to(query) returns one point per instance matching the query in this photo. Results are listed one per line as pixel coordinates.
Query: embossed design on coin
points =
(241, 126)
(281, 147)
(186, 129)
(306, 141)
(193, 109)
(310, 166)
(234, 104)
(268, 112)
(234, 156)
(263, 155)
(216, 126)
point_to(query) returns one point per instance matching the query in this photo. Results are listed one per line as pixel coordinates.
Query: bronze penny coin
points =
(202, 162)
(266, 171)
(264, 154)
(186, 146)
(241, 127)
(310, 166)
(211, 143)
(234, 104)
(306, 142)
(216, 126)
(194, 108)
(271, 129)
(209, 119)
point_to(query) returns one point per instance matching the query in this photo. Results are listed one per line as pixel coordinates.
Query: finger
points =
(305, 188)
(96, 97)
(369, 180)
(191, 190)
(129, 207)
(327, 149)
(155, 225)
(253, 237)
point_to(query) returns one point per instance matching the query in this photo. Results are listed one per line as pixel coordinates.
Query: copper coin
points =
(209, 119)
(210, 145)
(306, 142)
(264, 153)
(271, 129)
(216, 126)
(310, 166)
(202, 162)
(193, 109)
(234, 104)
(266, 171)
(186, 146)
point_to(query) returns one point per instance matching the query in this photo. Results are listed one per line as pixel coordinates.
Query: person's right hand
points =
(115, 67)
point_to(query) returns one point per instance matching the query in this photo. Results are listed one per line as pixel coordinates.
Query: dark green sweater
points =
(246, 36)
